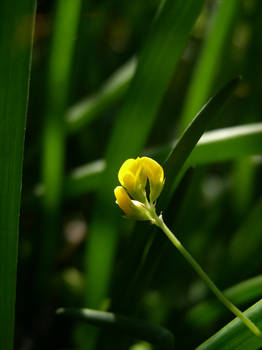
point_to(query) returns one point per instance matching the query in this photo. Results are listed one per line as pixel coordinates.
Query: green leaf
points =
(228, 144)
(191, 135)
(214, 146)
(156, 335)
(84, 179)
(58, 77)
(112, 90)
(209, 61)
(235, 335)
(16, 34)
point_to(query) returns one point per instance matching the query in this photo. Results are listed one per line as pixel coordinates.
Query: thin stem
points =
(158, 221)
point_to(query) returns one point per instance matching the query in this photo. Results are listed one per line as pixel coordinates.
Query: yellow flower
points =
(132, 208)
(133, 176)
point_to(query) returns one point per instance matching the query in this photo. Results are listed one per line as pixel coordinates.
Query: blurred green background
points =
(112, 80)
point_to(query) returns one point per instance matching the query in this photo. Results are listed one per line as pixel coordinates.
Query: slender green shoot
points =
(158, 221)
(133, 176)
(16, 40)
(59, 69)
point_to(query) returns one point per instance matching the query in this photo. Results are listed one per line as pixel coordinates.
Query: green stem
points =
(158, 221)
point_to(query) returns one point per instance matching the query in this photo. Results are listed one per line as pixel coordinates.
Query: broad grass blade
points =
(16, 37)
(236, 335)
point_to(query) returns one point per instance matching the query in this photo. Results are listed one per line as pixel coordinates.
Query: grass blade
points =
(214, 146)
(113, 89)
(192, 134)
(228, 144)
(156, 335)
(235, 335)
(16, 33)
(210, 60)
(67, 11)
(84, 179)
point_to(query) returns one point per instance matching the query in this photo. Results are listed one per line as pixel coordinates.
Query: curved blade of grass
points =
(191, 136)
(156, 65)
(206, 312)
(235, 336)
(113, 89)
(210, 59)
(228, 144)
(156, 335)
(213, 147)
(16, 34)
(58, 75)
(84, 179)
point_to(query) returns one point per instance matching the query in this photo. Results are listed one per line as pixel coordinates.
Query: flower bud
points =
(132, 208)
(133, 176)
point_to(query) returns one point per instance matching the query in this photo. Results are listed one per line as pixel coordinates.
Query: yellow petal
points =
(129, 181)
(124, 201)
(154, 170)
(141, 176)
(132, 176)
(132, 208)
(126, 168)
(155, 174)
